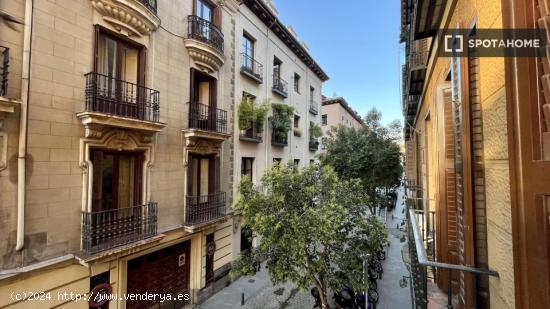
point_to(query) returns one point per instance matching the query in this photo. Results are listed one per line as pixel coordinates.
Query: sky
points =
(356, 42)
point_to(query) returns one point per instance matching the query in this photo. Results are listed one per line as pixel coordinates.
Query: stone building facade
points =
(117, 148)
(273, 65)
(337, 112)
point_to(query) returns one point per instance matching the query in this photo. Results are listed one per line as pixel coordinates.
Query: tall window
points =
(277, 160)
(296, 121)
(204, 10)
(117, 59)
(246, 167)
(296, 82)
(248, 51)
(324, 120)
(277, 68)
(311, 94)
(296, 164)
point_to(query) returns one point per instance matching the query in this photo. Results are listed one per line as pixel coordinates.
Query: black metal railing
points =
(204, 208)
(205, 31)
(313, 144)
(150, 4)
(4, 70)
(279, 139)
(252, 68)
(205, 117)
(108, 229)
(280, 86)
(420, 264)
(313, 107)
(105, 94)
(252, 134)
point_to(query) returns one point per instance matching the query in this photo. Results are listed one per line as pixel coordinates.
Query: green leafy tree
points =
(370, 153)
(312, 225)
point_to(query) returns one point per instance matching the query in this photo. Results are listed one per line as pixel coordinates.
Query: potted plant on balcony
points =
(314, 133)
(281, 122)
(252, 116)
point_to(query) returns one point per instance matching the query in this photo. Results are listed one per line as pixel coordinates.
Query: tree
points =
(311, 226)
(370, 153)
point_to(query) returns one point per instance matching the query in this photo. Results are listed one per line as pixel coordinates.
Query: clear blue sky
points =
(356, 44)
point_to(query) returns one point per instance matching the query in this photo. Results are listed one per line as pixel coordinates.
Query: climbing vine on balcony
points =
(252, 114)
(281, 121)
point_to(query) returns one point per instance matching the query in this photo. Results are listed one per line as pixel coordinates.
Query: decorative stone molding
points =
(128, 16)
(205, 56)
(119, 140)
(94, 121)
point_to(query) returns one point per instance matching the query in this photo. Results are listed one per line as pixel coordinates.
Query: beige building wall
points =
(337, 115)
(484, 14)
(62, 52)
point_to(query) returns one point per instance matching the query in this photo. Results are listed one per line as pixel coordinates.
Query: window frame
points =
(297, 79)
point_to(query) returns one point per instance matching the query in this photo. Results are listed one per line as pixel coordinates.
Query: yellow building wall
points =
(484, 14)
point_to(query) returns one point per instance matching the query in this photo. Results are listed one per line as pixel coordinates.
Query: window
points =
(204, 10)
(277, 160)
(311, 161)
(296, 82)
(324, 120)
(117, 59)
(248, 52)
(296, 121)
(296, 164)
(277, 68)
(311, 94)
(203, 175)
(246, 167)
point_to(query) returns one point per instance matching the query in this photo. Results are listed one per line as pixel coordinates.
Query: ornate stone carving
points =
(205, 56)
(127, 16)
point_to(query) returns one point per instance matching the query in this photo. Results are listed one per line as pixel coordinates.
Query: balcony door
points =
(120, 69)
(203, 97)
(116, 179)
(202, 175)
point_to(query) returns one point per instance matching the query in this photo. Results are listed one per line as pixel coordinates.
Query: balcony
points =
(108, 229)
(204, 43)
(206, 122)
(418, 65)
(252, 68)
(204, 209)
(251, 135)
(423, 268)
(130, 17)
(117, 103)
(313, 108)
(279, 140)
(7, 105)
(313, 145)
(280, 86)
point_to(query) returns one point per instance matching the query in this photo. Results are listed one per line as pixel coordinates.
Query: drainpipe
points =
(23, 124)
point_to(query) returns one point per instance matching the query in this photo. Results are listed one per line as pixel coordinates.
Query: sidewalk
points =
(259, 293)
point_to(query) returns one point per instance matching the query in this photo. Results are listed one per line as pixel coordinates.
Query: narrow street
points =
(391, 294)
(259, 293)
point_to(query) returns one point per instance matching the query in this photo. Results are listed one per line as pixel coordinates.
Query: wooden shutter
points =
(192, 87)
(217, 17)
(97, 34)
(96, 158)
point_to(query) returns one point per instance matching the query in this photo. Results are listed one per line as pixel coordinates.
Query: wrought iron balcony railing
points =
(107, 229)
(105, 94)
(150, 4)
(252, 68)
(419, 263)
(280, 86)
(313, 144)
(205, 208)
(279, 139)
(252, 134)
(4, 70)
(313, 108)
(205, 31)
(207, 118)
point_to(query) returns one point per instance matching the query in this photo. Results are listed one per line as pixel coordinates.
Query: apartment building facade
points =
(274, 67)
(336, 112)
(476, 157)
(117, 148)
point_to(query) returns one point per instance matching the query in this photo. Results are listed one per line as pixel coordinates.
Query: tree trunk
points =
(323, 297)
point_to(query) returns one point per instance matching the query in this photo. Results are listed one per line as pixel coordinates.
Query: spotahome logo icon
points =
(493, 42)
